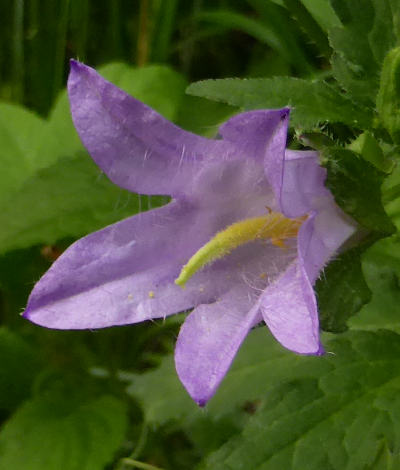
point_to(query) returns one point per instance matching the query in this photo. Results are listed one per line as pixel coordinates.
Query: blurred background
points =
(200, 39)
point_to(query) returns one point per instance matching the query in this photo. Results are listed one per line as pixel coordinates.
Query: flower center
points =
(273, 226)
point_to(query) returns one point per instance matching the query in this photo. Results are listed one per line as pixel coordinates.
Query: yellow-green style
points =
(273, 226)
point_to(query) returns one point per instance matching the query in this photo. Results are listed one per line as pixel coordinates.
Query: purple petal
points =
(288, 305)
(261, 134)
(209, 340)
(212, 334)
(303, 188)
(124, 273)
(252, 132)
(136, 147)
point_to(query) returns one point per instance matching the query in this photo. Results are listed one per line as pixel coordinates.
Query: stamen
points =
(273, 226)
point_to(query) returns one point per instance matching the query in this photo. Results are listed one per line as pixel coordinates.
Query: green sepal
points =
(368, 147)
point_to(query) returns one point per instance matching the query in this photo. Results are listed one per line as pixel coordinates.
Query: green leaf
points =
(391, 196)
(336, 411)
(326, 104)
(381, 267)
(309, 25)
(24, 143)
(18, 368)
(207, 118)
(260, 362)
(388, 99)
(321, 10)
(356, 186)
(343, 416)
(70, 198)
(277, 19)
(341, 291)
(268, 31)
(59, 432)
(360, 46)
(323, 13)
(368, 147)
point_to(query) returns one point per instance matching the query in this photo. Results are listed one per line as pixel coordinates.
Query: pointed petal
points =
(209, 340)
(136, 147)
(289, 305)
(289, 308)
(251, 132)
(124, 273)
(261, 134)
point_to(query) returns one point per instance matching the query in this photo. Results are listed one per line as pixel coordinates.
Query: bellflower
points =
(248, 230)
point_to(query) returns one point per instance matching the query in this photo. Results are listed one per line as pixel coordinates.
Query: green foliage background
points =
(110, 399)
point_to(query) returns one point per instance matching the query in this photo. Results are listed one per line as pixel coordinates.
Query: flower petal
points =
(135, 146)
(252, 131)
(261, 134)
(209, 340)
(289, 305)
(303, 188)
(124, 273)
(321, 237)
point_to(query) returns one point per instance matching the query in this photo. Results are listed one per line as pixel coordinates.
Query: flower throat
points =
(273, 226)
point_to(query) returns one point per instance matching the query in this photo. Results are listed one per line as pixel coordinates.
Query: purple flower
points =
(249, 228)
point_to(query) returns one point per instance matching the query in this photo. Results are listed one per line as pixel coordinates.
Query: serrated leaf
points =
(57, 432)
(341, 291)
(339, 418)
(356, 186)
(335, 412)
(18, 368)
(327, 104)
(381, 267)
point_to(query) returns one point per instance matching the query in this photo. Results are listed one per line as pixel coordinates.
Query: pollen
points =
(273, 227)
(151, 294)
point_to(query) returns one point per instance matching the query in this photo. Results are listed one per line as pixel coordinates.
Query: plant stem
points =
(135, 463)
